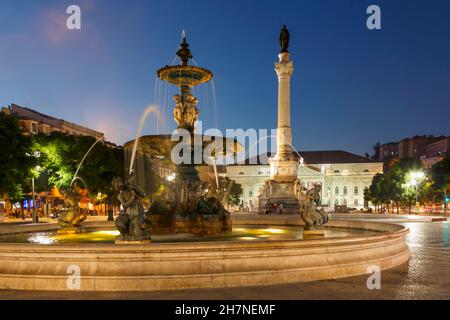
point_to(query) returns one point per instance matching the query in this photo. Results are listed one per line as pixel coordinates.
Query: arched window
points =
(356, 190)
(336, 191)
(345, 191)
(356, 202)
(367, 170)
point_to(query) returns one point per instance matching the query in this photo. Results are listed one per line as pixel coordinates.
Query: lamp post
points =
(414, 180)
(35, 217)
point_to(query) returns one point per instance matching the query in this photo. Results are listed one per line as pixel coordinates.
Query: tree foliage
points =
(392, 187)
(61, 154)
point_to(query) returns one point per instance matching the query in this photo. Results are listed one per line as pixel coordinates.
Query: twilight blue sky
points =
(351, 87)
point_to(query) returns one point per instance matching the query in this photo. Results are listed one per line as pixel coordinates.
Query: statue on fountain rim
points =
(73, 217)
(310, 214)
(133, 223)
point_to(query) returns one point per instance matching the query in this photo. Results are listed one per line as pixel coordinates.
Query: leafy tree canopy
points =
(16, 157)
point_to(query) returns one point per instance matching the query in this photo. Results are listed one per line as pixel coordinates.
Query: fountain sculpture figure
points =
(312, 216)
(133, 222)
(70, 221)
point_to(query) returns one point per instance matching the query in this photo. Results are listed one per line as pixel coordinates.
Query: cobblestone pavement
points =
(425, 276)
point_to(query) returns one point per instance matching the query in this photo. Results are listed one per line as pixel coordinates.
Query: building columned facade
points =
(342, 175)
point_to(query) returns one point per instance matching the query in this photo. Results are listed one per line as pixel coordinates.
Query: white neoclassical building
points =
(343, 176)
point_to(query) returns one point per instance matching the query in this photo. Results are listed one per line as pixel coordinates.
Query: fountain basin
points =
(215, 264)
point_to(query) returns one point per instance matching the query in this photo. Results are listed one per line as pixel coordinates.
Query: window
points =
(356, 202)
(336, 202)
(366, 171)
(241, 173)
(345, 191)
(336, 191)
(329, 190)
(345, 202)
(33, 127)
(336, 171)
(250, 193)
(355, 191)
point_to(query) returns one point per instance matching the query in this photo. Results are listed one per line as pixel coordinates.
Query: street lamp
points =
(35, 216)
(414, 179)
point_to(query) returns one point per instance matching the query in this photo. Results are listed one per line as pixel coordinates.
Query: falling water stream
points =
(149, 110)
(75, 177)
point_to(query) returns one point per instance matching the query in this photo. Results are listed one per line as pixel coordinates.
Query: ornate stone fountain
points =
(188, 204)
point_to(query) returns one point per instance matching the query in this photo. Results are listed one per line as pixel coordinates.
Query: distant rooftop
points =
(25, 113)
(317, 157)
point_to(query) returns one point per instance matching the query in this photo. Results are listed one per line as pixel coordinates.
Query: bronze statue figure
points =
(310, 213)
(132, 222)
(73, 217)
(284, 39)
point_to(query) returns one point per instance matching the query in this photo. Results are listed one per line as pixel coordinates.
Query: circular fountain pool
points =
(251, 255)
(239, 233)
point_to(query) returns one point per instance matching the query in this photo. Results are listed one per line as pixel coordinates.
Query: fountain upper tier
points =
(184, 75)
(189, 76)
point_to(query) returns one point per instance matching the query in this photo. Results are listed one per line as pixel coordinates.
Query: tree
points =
(392, 186)
(61, 154)
(16, 157)
(440, 173)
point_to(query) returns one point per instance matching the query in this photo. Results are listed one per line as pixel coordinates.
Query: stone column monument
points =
(282, 189)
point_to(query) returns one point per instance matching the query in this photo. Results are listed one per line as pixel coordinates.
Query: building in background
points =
(342, 175)
(34, 122)
(428, 149)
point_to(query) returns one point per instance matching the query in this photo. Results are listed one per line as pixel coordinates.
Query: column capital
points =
(284, 69)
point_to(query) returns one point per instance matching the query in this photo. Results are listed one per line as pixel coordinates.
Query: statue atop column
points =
(284, 39)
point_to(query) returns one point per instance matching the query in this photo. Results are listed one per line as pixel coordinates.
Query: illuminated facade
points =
(343, 177)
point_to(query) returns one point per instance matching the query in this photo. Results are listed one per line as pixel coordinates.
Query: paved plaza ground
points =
(425, 276)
